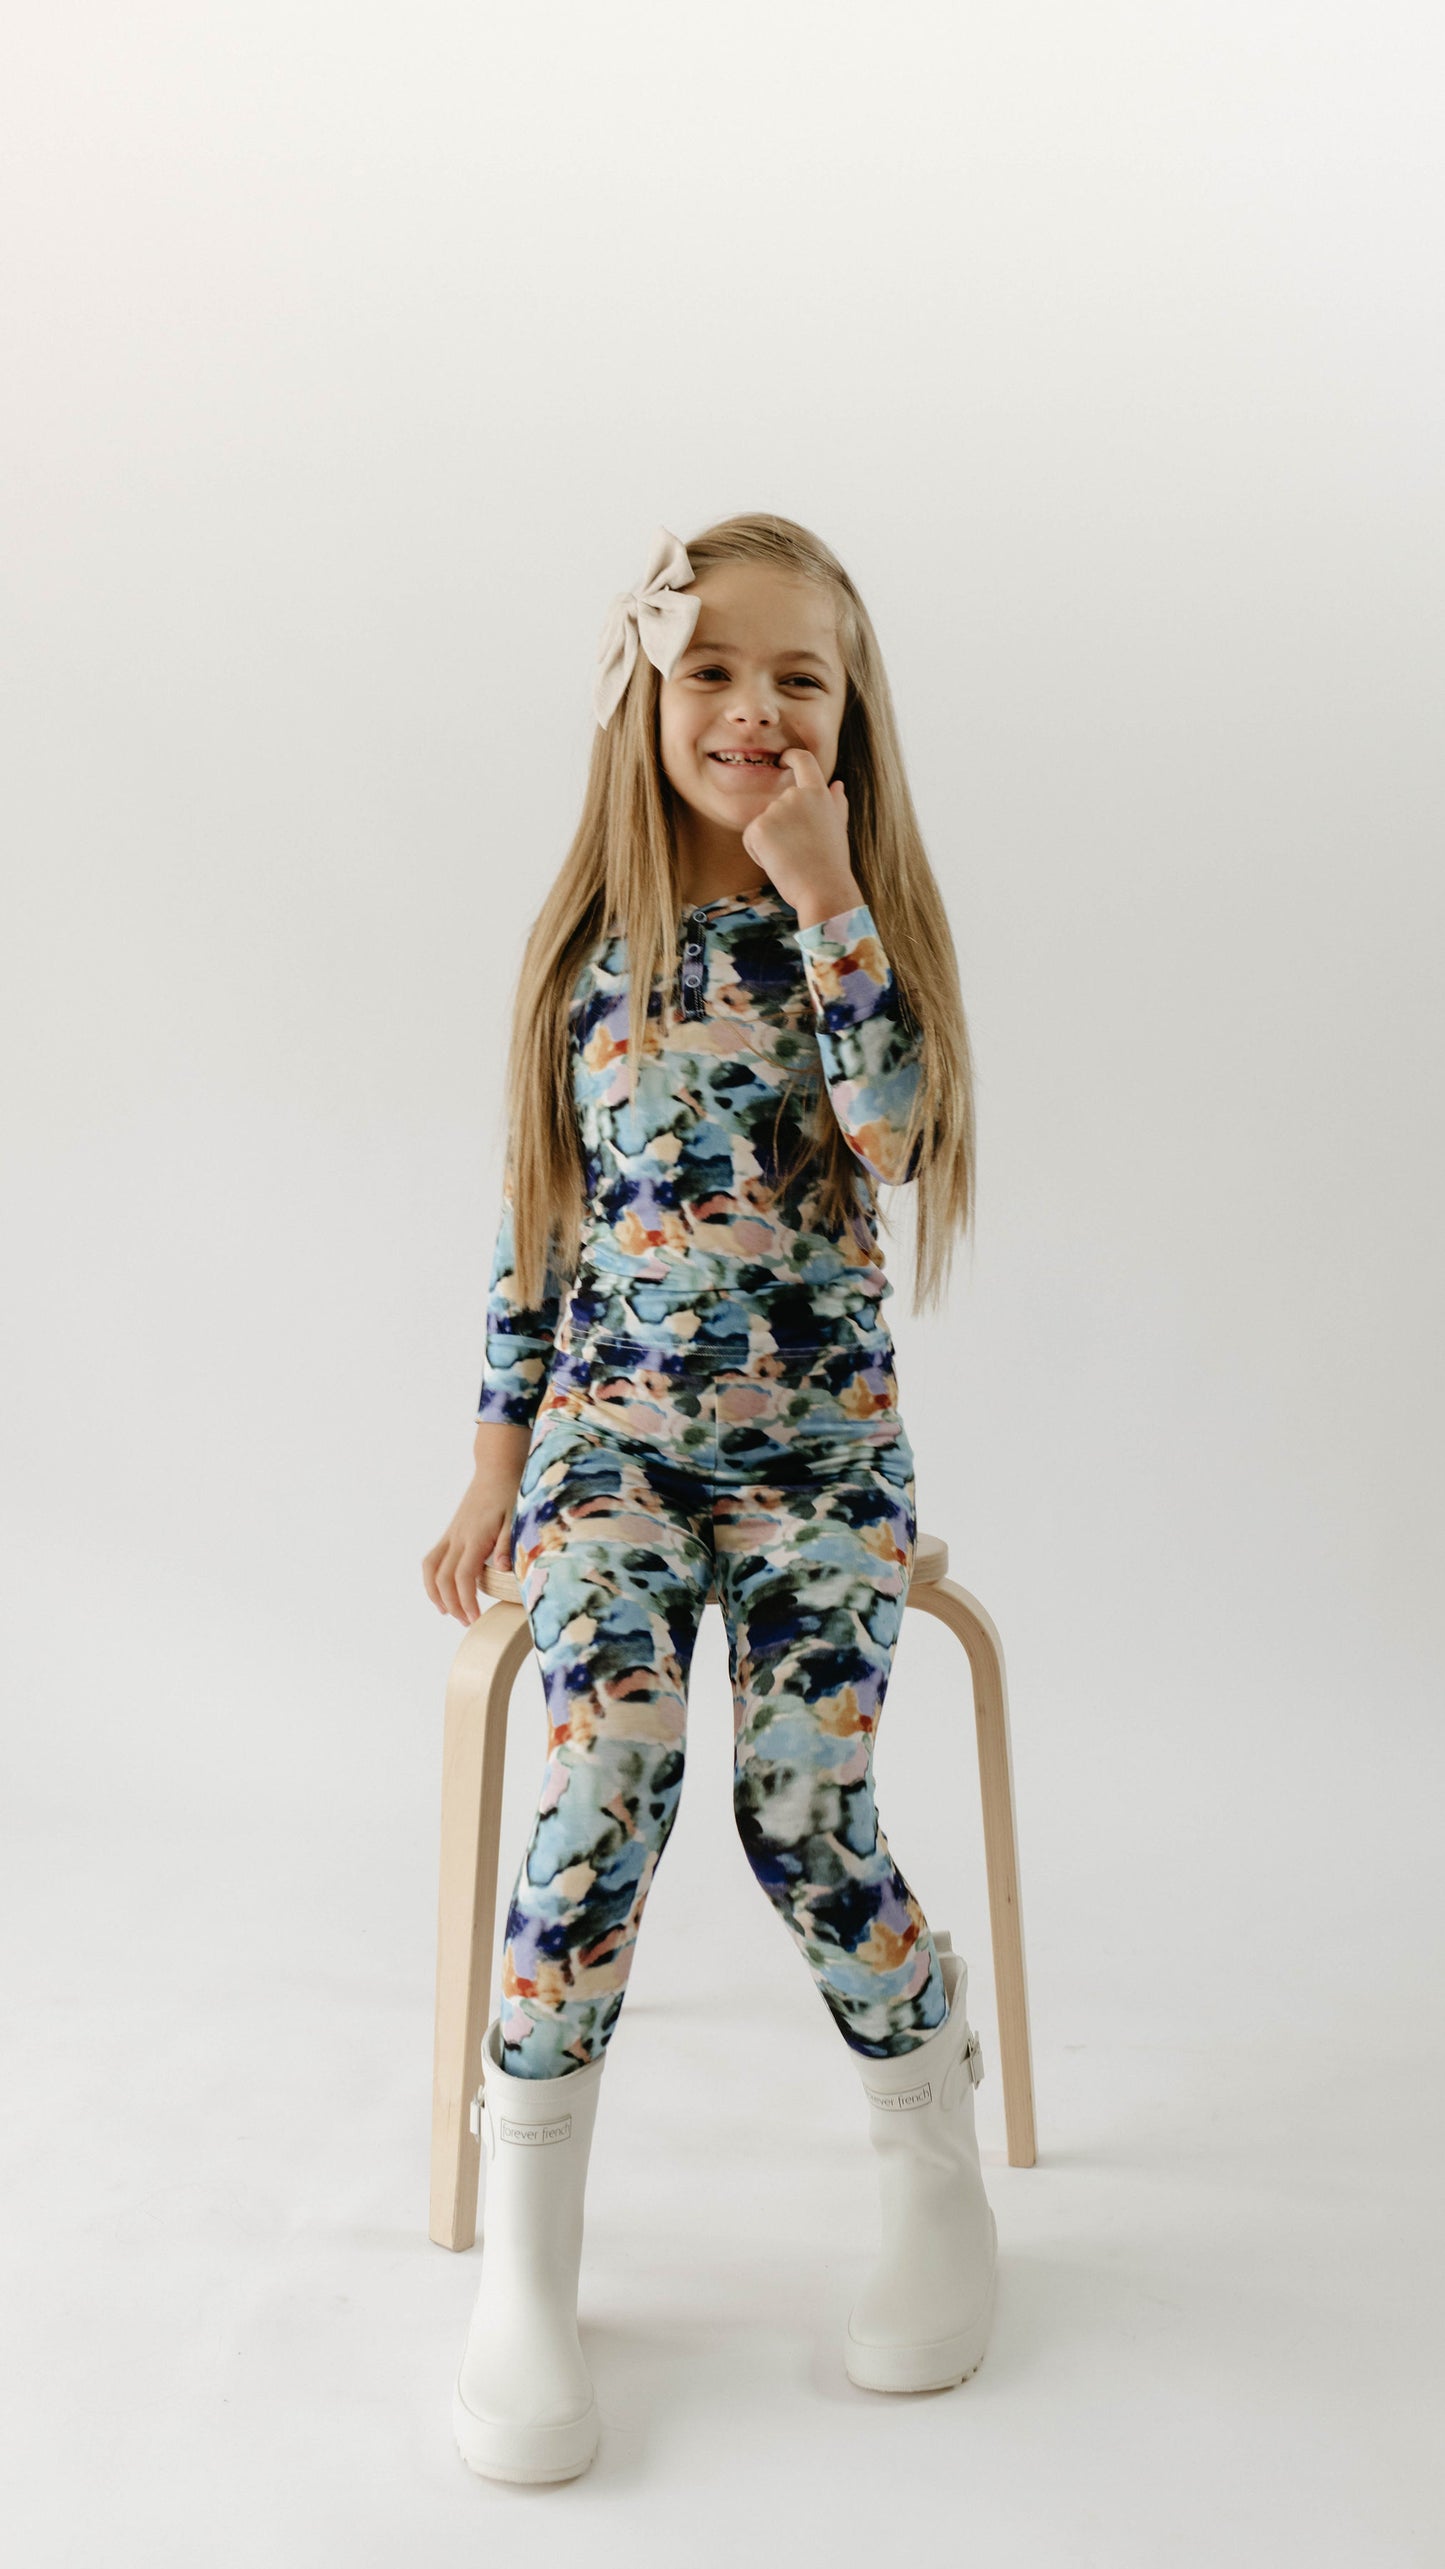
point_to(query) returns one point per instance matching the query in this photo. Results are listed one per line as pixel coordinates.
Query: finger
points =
(805, 768)
(447, 1593)
(468, 1573)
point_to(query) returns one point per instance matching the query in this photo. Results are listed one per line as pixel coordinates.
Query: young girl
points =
(690, 1388)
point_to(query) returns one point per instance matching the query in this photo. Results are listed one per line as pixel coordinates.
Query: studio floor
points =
(229, 2339)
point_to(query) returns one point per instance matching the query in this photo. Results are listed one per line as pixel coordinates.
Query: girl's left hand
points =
(801, 841)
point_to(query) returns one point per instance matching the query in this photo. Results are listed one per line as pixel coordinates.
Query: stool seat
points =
(474, 1746)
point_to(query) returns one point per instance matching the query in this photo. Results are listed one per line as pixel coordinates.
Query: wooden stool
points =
(479, 1689)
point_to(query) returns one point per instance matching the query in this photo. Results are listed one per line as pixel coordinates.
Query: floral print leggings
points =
(783, 1479)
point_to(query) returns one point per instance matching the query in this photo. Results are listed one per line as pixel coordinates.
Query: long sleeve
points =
(872, 1060)
(519, 1341)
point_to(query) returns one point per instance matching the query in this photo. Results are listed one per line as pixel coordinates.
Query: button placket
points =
(692, 1001)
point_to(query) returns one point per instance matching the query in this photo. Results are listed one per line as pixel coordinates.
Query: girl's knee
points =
(774, 1866)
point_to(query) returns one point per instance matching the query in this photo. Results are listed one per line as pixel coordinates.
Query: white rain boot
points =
(922, 2319)
(523, 2407)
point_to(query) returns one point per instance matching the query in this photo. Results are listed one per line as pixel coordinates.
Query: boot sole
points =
(940, 2366)
(498, 2451)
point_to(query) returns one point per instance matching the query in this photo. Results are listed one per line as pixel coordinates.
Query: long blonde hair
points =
(620, 873)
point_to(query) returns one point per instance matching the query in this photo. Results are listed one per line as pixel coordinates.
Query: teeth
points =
(733, 758)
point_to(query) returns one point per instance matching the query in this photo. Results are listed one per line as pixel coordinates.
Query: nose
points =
(754, 702)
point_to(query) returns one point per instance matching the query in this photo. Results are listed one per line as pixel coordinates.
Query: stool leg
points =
(474, 1747)
(975, 1629)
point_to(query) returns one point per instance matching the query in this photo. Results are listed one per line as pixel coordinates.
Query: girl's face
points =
(763, 672)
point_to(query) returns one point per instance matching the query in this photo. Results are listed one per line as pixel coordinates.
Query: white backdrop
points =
(353, 353)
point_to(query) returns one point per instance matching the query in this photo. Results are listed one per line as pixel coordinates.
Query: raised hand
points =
(801, 841)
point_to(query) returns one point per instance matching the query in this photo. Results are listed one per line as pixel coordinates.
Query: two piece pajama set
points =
(714, 1408)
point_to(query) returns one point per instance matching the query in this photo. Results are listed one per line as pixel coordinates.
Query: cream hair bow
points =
(656, 614)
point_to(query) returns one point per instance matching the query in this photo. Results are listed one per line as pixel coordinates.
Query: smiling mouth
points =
(745, 758)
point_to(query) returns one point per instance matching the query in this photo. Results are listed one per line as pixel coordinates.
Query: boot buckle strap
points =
(967, 2065)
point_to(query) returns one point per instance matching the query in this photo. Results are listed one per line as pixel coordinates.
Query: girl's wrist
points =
(497, 1440)
(826, 900)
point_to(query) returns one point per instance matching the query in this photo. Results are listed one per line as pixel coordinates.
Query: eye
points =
(798, 678)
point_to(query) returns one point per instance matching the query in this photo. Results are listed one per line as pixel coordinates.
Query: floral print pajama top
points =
(686, 1228)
